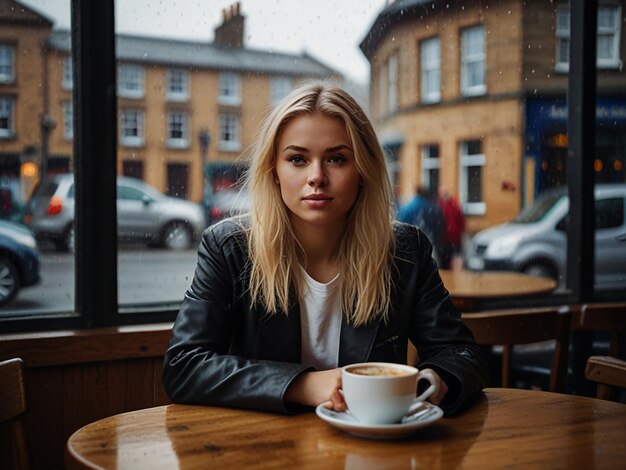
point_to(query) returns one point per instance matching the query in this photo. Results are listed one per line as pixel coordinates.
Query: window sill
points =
(229, 147)
(178, 144)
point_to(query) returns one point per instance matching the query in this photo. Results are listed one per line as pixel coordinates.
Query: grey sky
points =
(330, 30)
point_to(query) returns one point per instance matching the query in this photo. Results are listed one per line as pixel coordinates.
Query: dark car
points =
(19, 260)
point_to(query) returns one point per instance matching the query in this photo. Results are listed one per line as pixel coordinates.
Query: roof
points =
(388, 17)
(15, 13)
(151, 50)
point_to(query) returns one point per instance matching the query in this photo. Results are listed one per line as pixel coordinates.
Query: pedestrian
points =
(316, 277)
(454, 226)
(423, 212)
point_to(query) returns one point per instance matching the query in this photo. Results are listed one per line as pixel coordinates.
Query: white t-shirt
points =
(320, 322)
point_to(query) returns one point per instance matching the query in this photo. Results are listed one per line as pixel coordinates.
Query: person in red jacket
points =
(454, 226)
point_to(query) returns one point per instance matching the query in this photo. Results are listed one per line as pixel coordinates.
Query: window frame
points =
(227, 120)
(7, 132)
(68, 120)
(138, 125)
(184, 79)
(67, 81)
(429, 163)
(10, 76)
(229, 89)
(467, 160)
(430, 64)
(280, 86)
(468, 59)
(173, 119)
(130, 74)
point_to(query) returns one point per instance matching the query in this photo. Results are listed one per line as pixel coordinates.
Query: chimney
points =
(230, 32)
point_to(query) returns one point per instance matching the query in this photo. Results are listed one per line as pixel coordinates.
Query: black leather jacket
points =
(224, 353)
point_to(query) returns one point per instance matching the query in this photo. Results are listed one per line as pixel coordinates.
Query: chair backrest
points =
(610, 318)
(606, 371)
(12, 406)
(525, 326)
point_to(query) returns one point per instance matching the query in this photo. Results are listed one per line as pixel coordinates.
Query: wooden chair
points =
(606, 371)
(12, 406)
(609, 318)
(525, 326)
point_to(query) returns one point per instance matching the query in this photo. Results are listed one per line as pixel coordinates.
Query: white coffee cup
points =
(383, 392)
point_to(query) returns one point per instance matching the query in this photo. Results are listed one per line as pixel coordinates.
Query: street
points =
(145, 276)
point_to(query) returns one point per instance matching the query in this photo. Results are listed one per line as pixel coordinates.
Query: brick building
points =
(186, 110)
(471, 94)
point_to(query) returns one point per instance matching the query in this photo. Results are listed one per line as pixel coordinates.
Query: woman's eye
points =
(296, 159)
(337, 159)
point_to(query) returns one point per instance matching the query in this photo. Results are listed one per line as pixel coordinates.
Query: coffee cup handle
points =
(434, 387)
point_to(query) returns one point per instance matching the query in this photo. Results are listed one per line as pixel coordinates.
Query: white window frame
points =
(177, 85)
(132, 119)
(130, 81)
(429, 163)
(392, 87)
(229, 89)
(430, 65)
(561, 59)
(7, 63)
(178, 121)
(471, 58)
(67, 81)
(68, 120)
(7, 112)
(466, 161)
(229, 128)
(280, 86)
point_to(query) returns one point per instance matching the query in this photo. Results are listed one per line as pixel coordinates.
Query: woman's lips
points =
(317, 201)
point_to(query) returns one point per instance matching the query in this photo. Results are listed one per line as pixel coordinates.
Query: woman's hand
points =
(436, 397)
(313, 388)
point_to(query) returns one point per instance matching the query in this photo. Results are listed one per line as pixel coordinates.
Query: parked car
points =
(226, 203)
(535, 242)
(143, 214)
(19, 260)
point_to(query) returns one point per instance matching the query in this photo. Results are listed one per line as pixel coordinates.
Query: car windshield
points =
(539, 209)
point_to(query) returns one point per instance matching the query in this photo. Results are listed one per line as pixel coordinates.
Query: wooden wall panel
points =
(140, 384)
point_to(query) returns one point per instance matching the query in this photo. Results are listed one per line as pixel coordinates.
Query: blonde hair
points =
(366, 247)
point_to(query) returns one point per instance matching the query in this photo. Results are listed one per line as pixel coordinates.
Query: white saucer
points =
(347, 423)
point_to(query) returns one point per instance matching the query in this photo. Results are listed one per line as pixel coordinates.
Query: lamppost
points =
(47, 126)
(205, 141)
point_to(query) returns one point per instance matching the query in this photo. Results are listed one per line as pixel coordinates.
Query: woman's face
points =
(316, 171)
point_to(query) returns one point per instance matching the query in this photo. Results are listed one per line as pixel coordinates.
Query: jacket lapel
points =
(355, 344)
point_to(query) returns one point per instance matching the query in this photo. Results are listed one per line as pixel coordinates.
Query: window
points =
(430, 63)
(177, 129)
(229, 133)
(473, 61)
(177, 85)
(131, 128)
(130, 81)
(608, 39)
(68, 121)
(279, 88)
(470, 183)
(7, 65)
(6, 117)
(393, 82)
(430, 166)
(229, 92)
(68, 79)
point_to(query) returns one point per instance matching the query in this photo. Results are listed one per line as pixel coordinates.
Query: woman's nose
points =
(317, 177)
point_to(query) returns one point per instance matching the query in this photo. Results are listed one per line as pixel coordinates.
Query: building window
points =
(430, 64)
(608, 39)
(6, 117)
(68, 121)
(230, 85)
(470, 183)
(177, 85)
(279, 88)
(430, 166)
(229, 133)
(130, 81)
(131, 128)
(68, 79)
(473, 61)
(7, 64)
(393, 82)
(177, 129)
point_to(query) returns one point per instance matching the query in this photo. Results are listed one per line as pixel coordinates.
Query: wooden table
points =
(469, 289)
(507, 427)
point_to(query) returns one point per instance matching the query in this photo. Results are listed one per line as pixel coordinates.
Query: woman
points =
(317, 277)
